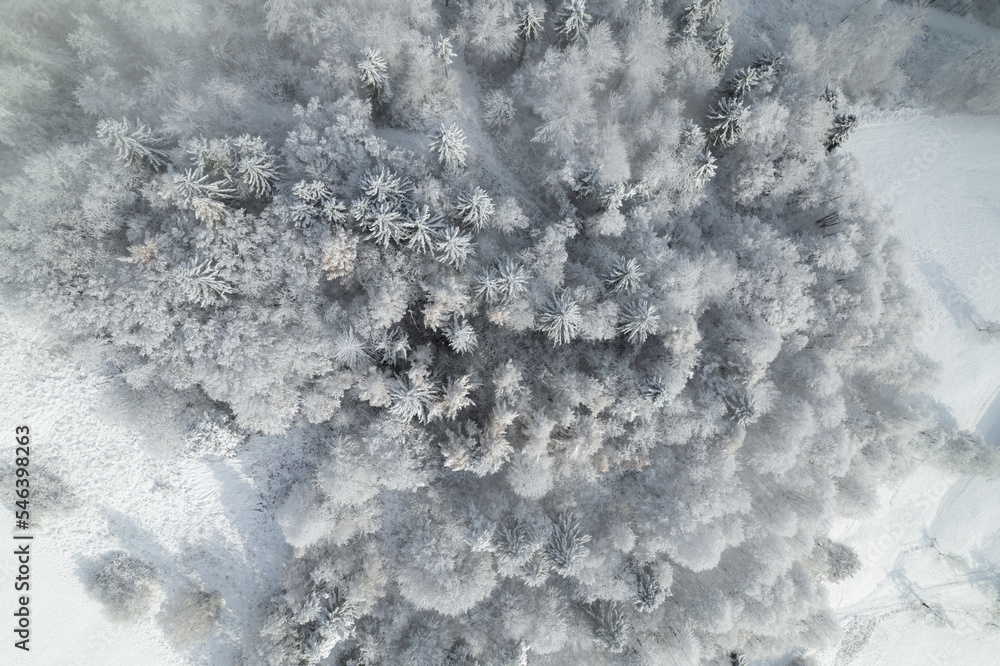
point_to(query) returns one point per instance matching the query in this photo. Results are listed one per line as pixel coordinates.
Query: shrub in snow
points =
(124, 585)
(842, 561)
(191, 616)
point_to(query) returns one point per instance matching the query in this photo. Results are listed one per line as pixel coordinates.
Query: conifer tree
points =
(135, 145)
(572, 20)
(843, 126)
(530, 24)
(372, 70)
(560, 319)
(450, 147)
(720, 47)
(728, 118)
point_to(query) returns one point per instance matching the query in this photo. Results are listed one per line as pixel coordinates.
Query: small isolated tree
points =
(191, 616)
(990, 330)
(444, 52)
(572, 20)
(124, 585)
(841, 561)
(843, 125)
(449, 143)
(498, 110)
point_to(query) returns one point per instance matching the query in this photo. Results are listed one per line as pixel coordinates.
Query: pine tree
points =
(843, 125)
(742, 82)
(454, 398)
(610, 625)
(530, 24)
(720, 47)
(649, 593)
(372, 70)
(831, 96)
(476, 208)
(201, 283)
(454, 246)
(729, 117)
(423, 230)
(691, 18)
(639, 320)
(711, 8)
(566, 546)
(384, 223)
(742, 408)
(350, 350)
(135, 145)
(705, 167)
(626, 275)
(384, 186)
(769, 64)
(444, 52)
(461, 336)
(255, 165)
(489, 286)
(498, 110)
(450, 146)
(412, 396)
(560, 319)
(513, 279)
(572, 20)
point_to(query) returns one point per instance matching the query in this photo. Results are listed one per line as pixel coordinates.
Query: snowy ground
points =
(196, 521)
(929, 589)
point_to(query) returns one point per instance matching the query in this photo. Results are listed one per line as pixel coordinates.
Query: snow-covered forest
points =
(562, 332)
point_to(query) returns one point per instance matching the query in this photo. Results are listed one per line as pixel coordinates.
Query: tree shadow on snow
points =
(963, 312)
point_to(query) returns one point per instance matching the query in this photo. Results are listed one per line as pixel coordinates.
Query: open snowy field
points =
(197, 521)
(929, 588)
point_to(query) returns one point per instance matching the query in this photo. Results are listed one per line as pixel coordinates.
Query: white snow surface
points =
(196, 521)
(929, 588)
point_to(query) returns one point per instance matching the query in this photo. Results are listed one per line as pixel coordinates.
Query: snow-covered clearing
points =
(196, 521)
(929, 589)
